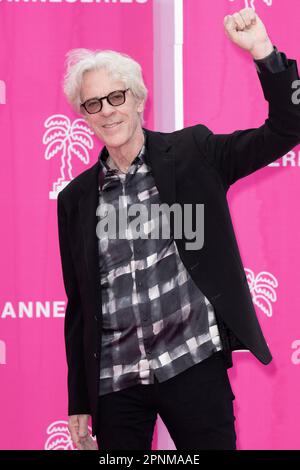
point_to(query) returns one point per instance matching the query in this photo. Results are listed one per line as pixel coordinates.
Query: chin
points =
(115, 141)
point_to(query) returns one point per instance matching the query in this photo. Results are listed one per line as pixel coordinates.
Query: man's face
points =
(98, 83)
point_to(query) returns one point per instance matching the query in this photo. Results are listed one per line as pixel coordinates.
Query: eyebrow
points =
(93, 98)
(99, 97)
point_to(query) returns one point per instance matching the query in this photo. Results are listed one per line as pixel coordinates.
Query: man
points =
(151, 324)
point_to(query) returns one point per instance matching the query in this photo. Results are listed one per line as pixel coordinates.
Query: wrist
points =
(261, 51)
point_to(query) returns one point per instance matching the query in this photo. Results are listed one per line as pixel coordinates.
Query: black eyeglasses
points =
(115, 98)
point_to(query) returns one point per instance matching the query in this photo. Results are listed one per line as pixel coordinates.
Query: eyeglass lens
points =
(114, 98)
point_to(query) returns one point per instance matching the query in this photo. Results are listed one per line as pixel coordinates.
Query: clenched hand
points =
(246, 29)
(78, 428)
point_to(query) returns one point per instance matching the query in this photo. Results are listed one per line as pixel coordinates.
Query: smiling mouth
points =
(110, 126)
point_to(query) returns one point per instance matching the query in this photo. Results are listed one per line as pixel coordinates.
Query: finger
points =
(230, 26)
(229, 23)
(239, 21)
(75, 439)
(73, 426)
(252, 15)
(83, 425)
(245, 14)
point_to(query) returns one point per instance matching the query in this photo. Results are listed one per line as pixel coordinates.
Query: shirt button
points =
(95, 317)
(96, 355)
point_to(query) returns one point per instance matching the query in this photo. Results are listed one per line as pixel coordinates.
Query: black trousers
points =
(196, 406)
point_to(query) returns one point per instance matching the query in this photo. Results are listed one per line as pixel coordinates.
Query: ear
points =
(141, 105)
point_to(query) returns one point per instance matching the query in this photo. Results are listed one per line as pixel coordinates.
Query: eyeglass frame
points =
(104, 98)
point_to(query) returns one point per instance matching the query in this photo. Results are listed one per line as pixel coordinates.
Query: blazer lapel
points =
(160, 157)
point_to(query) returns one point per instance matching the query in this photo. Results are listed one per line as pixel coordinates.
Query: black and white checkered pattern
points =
(155, 318)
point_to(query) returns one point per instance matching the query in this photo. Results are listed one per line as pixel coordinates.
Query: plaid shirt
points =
(155, 318)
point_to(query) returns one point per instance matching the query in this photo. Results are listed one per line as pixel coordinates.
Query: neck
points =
(123, 156)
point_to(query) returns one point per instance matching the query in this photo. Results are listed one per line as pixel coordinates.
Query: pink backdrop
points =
(222, 91)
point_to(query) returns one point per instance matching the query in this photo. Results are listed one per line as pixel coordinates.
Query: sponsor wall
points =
(45, 145)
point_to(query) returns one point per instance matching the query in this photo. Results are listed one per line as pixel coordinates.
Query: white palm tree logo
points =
(59, 436)
(67, 139)
(262, 288)
(251, 3)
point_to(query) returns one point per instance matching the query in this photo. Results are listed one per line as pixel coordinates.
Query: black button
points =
(96, 355)
(95, 317)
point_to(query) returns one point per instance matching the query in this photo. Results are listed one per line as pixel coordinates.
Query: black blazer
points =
(192, 165)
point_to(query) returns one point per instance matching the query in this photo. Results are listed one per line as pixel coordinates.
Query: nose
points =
(107, 108)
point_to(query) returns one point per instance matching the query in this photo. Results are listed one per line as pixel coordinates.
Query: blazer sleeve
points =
(242, 152)
(78, 402)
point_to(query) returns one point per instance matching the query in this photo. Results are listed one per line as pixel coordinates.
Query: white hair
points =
(120, 66)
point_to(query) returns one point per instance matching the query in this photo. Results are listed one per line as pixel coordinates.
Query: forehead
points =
(98, 83)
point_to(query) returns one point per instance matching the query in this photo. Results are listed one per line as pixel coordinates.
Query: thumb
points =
(83, 425)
